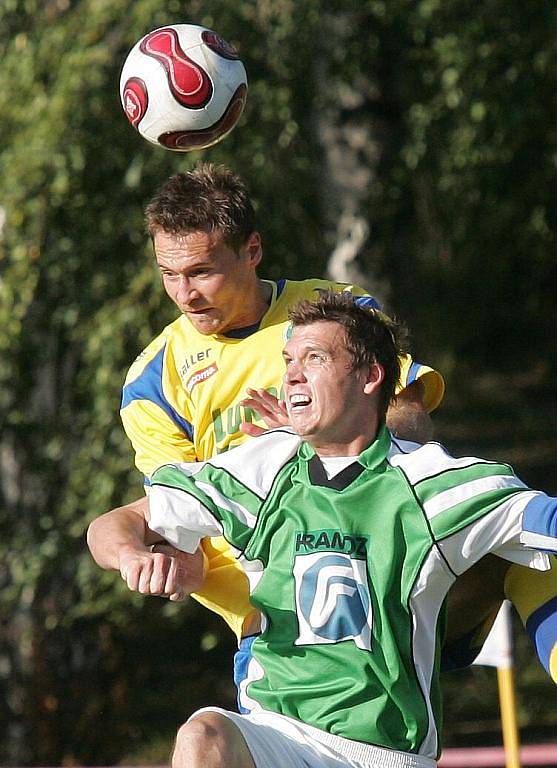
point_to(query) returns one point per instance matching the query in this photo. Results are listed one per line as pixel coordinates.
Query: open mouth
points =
(297, 402)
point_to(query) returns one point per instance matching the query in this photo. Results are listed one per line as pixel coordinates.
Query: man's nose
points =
(186, 291)
(294, 372)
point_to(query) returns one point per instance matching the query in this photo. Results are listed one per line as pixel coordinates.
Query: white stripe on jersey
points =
(538, 540)
(180, 518)
(240, 512)
(245, 462)
(425, 604)
(420, 462)
(498, 532)
(453, 496)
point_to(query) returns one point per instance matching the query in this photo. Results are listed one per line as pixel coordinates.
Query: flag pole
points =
(507, 703)
(497, 652)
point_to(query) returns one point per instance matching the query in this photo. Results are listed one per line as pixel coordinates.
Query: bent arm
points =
(121, 540)
(120, 530)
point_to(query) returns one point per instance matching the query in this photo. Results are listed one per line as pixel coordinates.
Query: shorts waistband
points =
(370, 754)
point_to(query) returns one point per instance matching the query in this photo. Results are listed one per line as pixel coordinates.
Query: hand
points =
(163, 571)
(268, 407)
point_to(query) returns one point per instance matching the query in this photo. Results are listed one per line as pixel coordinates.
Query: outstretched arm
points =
(121, 540)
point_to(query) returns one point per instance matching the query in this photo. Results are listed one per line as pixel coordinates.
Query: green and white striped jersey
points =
(350, 573)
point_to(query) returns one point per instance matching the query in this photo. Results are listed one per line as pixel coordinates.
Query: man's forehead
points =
(187, 245)
(327, 334)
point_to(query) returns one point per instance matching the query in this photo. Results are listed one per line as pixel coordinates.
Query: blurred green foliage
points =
(452, 110)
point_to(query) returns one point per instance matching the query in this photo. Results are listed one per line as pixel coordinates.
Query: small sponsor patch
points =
(202, 375)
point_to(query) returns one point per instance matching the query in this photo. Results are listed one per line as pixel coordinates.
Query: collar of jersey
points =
(370, 458)
(243, 333)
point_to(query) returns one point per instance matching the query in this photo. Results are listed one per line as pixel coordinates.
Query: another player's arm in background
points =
(475, 600)
(534, 595)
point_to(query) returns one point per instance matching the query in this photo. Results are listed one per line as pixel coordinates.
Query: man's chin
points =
(205, 324)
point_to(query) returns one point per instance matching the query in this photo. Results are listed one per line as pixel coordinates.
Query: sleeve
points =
(188, 502)
(433, 382)
(491, 517)
(222, 496)
(158, 431)
(534, 595)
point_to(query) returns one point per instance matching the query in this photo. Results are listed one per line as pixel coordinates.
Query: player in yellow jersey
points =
(182, 399)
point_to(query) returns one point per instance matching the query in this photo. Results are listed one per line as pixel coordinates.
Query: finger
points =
(161, 566)
(131, 574)
(172, 575)
(251, 429)
(257, 406)
(264, 398)
(177, 597)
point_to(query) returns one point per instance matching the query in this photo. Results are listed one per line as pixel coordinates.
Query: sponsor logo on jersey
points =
(190, 360)
(202, 375)
(333, 603)
(331, 541)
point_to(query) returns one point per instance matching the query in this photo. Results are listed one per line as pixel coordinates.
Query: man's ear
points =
(253, 248)
(374, 378)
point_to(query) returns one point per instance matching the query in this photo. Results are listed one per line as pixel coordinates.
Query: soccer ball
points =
(183, 87)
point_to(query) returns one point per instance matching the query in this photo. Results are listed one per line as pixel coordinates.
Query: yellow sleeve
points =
(434, 384)
(226, 589)
(534, 595)
(155, 438)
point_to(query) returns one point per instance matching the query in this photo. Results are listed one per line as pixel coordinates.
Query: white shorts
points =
(277, 741)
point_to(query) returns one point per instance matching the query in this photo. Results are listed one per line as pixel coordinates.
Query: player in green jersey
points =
(351, 540)
(183, 398)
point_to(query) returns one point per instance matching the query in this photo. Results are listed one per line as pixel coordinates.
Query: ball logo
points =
(218, 45)
(332, 599)
(189, 83)
(209, 136)
(135, 100)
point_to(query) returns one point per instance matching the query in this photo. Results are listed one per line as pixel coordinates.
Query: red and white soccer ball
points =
(183, 87)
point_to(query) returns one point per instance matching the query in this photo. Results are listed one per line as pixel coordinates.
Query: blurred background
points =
(410, 145)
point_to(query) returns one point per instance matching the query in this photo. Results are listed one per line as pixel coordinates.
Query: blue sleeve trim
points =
(366, 302)
(242, 658)
(280, 286)
(540, 516)
(148, 386)
(413, 373)
(542, 630)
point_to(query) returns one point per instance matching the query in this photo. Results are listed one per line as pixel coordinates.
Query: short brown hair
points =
(207, 198)
(371, 337)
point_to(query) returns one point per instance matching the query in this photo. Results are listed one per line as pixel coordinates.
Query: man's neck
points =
(259, 301)
(349, 447)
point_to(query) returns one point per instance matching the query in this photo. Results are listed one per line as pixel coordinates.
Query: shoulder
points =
(172, 334)
(435, 469)
(312, 287)
(257, 461)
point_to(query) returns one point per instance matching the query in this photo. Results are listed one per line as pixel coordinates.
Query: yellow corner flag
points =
(497, 652)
